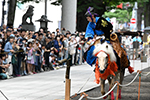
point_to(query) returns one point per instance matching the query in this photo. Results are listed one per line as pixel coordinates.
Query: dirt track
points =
(130, 92)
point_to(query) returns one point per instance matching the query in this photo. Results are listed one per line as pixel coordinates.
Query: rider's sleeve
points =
(89, 31)
(99, 32)
(90, 59)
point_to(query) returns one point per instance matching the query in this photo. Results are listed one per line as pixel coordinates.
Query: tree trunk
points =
(139, 17)
(147, 14)
(11, 12)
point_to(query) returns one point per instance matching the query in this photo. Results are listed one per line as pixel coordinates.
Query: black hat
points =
(105, 26)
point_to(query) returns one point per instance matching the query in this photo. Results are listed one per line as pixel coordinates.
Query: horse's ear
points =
(107, 46)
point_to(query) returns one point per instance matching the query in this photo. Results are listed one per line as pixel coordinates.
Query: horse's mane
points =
(108, 50)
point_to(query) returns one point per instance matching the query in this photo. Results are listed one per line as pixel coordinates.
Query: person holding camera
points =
(48, 48)
(8, 48)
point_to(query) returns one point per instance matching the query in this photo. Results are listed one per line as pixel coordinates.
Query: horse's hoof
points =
(119, 96)
(105, 97)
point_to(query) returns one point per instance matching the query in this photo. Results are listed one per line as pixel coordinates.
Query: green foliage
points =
(24, 1)
(121, 15)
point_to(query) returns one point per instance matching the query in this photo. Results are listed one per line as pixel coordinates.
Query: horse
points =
(106, 67)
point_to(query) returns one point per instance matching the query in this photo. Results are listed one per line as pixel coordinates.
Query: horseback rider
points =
(102, 28)
(92, 30)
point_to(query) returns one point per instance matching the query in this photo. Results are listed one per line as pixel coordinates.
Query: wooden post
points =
(67, 89)
(68, 81)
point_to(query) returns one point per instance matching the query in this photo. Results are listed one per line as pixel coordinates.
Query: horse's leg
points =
(121, 80)
(112, 84)
(109, 81)
(102, 84)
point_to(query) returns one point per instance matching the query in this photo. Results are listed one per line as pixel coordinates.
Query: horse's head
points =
(104, 53)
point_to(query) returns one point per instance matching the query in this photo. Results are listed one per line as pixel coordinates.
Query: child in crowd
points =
(30, 59)
(53, 61)
(4, 66)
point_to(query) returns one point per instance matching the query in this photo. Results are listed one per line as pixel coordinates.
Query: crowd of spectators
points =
(24, 52)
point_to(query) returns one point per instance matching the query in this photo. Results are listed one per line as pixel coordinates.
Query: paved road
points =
(50, 85)
(128, 93)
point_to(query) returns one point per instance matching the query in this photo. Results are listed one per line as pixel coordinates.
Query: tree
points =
(11, 12)
(100, 7)
(121, 15)
(147, 13)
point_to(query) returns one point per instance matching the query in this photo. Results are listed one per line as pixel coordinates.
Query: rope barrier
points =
(81, 97)
(82, 86)
(145, 74)
(85, 83)
(116, 84)
(95, 98)
(131, 81)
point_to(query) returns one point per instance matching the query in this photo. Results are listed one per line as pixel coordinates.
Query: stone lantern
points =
(43, 22)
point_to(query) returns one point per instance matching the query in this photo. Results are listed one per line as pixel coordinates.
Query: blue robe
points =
(90, 58)
(90, 29)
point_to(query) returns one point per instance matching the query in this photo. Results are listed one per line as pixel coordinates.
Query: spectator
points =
(43, 59)
(38, 58)
(57, 31)
(48, 48)
(3, 67)
(8, 48)
(127, 42)
(30, 59)
(53, 36)
(63, 31)
(58, 45)
(65, 48)
(30, 51)
(72, 46)
(15, 65)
